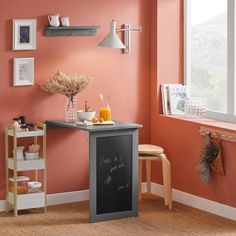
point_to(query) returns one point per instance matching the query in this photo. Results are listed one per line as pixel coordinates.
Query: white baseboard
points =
(157, 189)
(60, 198)
(67, 197)
(195, 201)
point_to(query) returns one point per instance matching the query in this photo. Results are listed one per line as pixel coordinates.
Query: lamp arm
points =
(134, 29)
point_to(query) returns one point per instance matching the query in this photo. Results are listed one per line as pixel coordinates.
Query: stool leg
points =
(148, 175)
(140, 178)
(166, 169)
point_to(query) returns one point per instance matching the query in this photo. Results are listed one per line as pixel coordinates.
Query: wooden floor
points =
(154, 219)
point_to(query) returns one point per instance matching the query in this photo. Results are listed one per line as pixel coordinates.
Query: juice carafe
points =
(105, 111)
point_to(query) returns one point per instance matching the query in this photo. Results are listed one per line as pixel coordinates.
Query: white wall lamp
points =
(113, 41)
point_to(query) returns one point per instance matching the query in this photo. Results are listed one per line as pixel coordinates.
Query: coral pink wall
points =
(156, 53)
(125, 77)
(180, 138)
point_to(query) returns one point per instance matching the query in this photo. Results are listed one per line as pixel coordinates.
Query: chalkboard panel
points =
(114, 174)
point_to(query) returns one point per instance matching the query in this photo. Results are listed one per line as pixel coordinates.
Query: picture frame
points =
(24, 34)
(23, 71)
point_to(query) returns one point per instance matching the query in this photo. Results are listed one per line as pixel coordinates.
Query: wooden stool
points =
(150, 153)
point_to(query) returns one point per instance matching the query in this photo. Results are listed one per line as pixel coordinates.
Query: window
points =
(209, 55)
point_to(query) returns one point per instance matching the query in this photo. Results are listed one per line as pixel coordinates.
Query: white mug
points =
(54, 20)
(65, 21)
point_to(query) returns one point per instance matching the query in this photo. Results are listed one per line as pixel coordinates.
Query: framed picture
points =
(24, 34)
(23, 69)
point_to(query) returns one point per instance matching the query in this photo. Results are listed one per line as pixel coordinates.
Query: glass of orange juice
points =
(105, 111)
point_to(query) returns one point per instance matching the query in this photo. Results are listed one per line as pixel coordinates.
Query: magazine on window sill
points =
(174, 97)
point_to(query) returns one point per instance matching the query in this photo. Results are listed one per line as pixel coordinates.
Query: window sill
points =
(206, 121)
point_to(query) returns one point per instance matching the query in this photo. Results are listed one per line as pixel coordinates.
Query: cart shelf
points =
(29, 200)
(37, 164)
(25, 134)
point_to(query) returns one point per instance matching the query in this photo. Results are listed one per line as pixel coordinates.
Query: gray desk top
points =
(119, 125)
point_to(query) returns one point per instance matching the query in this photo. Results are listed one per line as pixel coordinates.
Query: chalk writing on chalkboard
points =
(116, 167)
(113, 165)
(107, 161)
(104, 161)
(123, 187)
(108, 180)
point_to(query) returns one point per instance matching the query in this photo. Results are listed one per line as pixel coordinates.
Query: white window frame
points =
(230, 115)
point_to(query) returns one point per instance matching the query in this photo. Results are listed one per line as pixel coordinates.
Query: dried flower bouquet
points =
(68, 85)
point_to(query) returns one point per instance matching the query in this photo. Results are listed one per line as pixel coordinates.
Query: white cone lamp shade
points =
(112, 40)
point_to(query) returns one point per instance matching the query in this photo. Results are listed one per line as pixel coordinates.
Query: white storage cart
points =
(29, 200)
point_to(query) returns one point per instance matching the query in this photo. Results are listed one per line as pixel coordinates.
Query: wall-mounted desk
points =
(113, 168)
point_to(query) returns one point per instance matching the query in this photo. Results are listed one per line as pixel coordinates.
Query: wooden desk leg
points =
(148, 175)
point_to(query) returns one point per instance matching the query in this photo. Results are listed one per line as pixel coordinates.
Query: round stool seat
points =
(150, 149)
(148, 157)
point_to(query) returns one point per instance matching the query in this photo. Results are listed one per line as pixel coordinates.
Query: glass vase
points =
(71, 109)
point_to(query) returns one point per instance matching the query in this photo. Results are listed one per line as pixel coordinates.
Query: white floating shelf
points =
(27, 201)
(36, 164)
(23, 134)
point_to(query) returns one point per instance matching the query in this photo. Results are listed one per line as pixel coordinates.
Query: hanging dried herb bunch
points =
(67, 85)
(208, 156)
(209, 152)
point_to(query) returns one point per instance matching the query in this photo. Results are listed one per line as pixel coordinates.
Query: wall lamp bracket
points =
(127, 35)
(113, 41)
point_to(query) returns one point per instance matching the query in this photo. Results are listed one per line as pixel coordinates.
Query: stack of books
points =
(174, 97)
